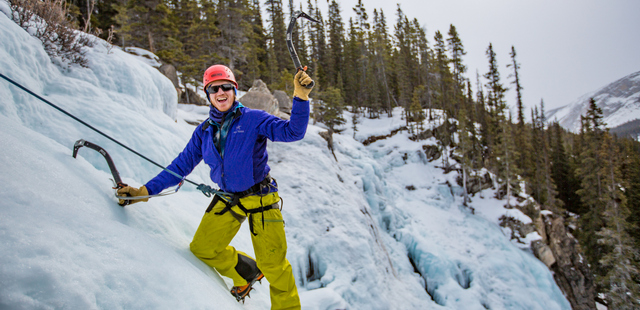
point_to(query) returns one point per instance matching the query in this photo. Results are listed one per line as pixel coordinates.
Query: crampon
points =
(241, 292)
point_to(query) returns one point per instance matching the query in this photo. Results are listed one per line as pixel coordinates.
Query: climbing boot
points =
(240, 292)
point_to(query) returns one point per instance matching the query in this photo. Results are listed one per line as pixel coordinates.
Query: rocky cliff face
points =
(571, 271)
(560, 251)
(620, 103)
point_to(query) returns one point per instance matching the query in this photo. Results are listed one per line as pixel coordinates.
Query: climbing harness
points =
(205, 189)
(262, 188)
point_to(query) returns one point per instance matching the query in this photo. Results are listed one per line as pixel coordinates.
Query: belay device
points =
(292, 51)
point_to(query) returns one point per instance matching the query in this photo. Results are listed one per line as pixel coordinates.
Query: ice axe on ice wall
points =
(112, 167)
(116, 175)
(292, 50)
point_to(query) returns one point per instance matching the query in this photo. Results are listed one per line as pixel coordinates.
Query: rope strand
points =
(205, 189)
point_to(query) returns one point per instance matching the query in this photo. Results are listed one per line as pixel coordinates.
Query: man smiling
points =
(233, 142)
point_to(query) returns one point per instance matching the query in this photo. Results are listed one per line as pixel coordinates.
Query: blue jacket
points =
(245, 149)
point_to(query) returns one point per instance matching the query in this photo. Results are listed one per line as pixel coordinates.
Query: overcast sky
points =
(566, 48)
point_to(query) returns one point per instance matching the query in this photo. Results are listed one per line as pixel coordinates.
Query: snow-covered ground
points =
(358, 238)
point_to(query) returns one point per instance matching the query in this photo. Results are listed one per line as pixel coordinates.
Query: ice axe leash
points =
(205, 189)
(292, 50)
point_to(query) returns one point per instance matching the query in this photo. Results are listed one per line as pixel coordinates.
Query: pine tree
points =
(234, 31)
(276, 35)
(183, 52)
(331, 108)
(518, 88)
(256, 47)
(380, 51)
(562, 172)
(591, 190)
(420, 51)
(551, 193)
(536, 174)
(495, 102)
(631, 175)
(482, 119)
(506, 155)
(495, 89)
(472, 109)
(319, 50)
(456, 48)
(404, 59)
(415, 113)
(361, 57)
(444, 139)
(284, 82)
(621, 290)
(354, 124)
(520, 137)
(312, 37)
(480, 97)
(336, 45)
(145, 24)
(465, 146)
(443, 97)
(96, 17)
(575, 163)
(425, 68)
(352, 54)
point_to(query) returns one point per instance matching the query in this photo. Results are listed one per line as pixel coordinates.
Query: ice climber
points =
(233, 142)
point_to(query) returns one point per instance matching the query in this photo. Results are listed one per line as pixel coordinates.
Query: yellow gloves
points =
(300, 81)
(132, 192)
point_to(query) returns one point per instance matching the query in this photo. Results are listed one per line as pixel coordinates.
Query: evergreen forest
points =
(376, 61)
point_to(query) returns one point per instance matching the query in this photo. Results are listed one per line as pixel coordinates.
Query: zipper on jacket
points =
(233, 120)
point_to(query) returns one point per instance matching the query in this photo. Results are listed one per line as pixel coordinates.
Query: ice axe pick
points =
(292, 50)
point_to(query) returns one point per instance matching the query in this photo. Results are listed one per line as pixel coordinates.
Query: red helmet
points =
(218, 72)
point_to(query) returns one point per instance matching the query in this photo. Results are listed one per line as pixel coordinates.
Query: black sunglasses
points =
(214, 89)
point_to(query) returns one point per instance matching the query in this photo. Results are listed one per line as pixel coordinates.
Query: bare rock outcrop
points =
(284, 102)
(260, 98)
(571, 271)
(170, 72)
(190, 97)
(376, 138)
(561, 253)
(475, 183)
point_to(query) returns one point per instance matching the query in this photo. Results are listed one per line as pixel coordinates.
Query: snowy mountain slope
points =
(620, 103)
(356, 234)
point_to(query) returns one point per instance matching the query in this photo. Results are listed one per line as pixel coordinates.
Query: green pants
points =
(211, 245)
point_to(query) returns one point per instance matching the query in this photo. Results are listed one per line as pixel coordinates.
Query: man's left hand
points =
(300, 83)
